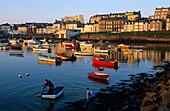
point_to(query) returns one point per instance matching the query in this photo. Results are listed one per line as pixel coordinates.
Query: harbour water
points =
(18, 94)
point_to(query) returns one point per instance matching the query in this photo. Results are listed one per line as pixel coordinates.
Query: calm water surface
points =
(18, 94)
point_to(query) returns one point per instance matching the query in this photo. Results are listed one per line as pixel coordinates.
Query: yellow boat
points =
(127, 53)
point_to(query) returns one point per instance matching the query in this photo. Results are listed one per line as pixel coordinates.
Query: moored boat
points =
(101, 61)
(40, 49)
(49, 58)
(124, 46)
(58, 91)
(100, 50)
(17, 53)
(83, 53)
(99, 75)
(65, 57)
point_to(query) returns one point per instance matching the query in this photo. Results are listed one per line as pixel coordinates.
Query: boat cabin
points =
(100, 58)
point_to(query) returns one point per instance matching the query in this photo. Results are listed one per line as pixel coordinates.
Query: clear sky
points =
(21, 11)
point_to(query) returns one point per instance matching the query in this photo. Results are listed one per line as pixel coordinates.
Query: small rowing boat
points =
(83, 53)
(58, 91)
(98, 75)
(49, 58)
(65, 57)
(17, 53)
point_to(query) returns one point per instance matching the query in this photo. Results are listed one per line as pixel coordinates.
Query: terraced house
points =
(133, 16)
(161, 13)
(112, 24)
(168, 23)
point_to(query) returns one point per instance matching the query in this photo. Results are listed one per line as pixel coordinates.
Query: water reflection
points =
(99, 81)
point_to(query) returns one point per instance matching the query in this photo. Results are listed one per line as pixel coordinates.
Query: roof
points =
(73, 22)
(5, 24)
(116, 18)
(151, 20)
(135, 13)
(57, 22)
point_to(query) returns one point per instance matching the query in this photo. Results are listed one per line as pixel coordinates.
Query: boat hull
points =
(45, 58)
(98, 75)
(57, 92)
(83, 53)
(105, 63)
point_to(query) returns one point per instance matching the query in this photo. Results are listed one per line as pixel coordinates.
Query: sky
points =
(47, 11)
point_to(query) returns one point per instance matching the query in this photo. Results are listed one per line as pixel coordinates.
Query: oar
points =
(42, 91)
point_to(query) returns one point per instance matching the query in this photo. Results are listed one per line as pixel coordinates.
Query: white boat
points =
(83, 53)
(100, 50)
(58, 91)
(39, 49)
(17, 53)
(13, 42)
(31, 42)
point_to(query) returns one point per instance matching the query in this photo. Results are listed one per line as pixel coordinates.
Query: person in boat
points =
(90, 98)
(50, 85)
(49, 51)
(116, 62)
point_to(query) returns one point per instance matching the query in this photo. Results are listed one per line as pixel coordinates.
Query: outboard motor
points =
(58, 60)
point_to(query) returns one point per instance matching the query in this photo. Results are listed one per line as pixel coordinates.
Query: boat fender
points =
(27, 74)
(19, 76)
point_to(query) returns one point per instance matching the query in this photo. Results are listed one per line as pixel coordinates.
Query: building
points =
(91, 28)
(73, 25)
(112, 24)
(73, 18)
(49, 29)
(5, 27)
(161, 13)
(133, 16)
(168, 23)
(136, 26)
(67, 33)
(128, 26)
(156, 25)
(22, 29)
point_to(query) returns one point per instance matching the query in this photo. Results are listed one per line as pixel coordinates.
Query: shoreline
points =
(144, 92)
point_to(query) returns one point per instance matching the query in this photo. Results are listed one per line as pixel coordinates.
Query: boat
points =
(65, 57)
(83, 53)
(101, 61)
(14, 42)
(51, 59)
(17, 53)
(58, 91)
(124, 46)
(40, 49)
(71, 47)
(4, 48)
(98, 75)
(31, 42)
(100, 50)
(127, 53)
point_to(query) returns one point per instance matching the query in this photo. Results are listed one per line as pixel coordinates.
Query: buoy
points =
(19, 76)
(86, 61)
(27, 74)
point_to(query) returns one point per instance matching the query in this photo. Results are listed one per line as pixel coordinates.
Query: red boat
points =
(65, 57)
(101, 61)
(99, 75)
(71, 47)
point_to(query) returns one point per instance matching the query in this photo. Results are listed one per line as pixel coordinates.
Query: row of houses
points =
(113, 22)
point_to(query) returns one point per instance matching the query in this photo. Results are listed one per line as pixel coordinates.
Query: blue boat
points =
(58, 91)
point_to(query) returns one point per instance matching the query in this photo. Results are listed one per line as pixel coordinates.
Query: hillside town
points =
(111, 23)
